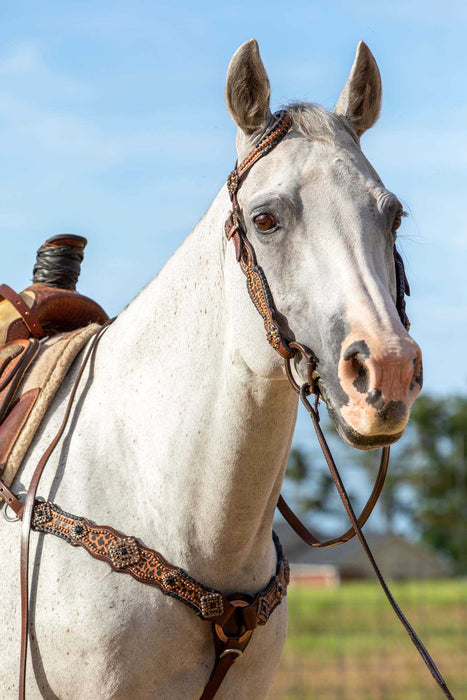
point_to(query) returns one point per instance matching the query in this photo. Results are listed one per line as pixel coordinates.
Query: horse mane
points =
(315, 122)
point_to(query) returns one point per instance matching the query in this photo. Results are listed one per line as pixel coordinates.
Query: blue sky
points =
(113, 126)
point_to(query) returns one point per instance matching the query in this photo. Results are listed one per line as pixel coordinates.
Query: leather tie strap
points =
(11, 499)
(30, 319)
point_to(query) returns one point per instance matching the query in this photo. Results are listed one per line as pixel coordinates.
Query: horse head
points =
(324, 228)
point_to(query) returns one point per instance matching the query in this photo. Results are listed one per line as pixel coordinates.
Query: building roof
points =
(397, 557)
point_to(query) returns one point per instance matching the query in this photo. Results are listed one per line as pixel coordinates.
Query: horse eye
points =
(398, 219)
(265, 222)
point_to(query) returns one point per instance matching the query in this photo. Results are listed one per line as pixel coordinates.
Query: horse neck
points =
(212, 453)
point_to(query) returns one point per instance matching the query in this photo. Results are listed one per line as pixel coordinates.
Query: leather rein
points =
(233, 618)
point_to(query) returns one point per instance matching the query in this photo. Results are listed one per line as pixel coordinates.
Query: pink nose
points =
(381, 380)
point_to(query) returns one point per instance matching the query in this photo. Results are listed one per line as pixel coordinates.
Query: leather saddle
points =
(41, 311)
(37, 313)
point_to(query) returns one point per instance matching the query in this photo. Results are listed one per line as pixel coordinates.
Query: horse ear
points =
(247, 89)
(360, 100)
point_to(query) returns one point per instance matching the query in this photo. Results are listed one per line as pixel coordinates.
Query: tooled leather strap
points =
(233, 617)
(126, 555)
(258, 287)
(30, 319)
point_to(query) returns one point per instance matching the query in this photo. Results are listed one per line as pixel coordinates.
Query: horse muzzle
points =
(378, 381)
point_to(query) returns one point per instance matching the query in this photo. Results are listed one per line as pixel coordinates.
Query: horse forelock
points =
(315, 122)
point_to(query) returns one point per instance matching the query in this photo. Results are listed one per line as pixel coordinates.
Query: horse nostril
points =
(361, 380)
(375, 399)
(357, 349)
(417, 377)
(356, 356)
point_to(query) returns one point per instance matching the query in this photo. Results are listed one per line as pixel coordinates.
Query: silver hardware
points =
(14, 518)
(231, 651)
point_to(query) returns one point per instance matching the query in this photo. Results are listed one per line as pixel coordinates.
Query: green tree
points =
(396, 498)
(427, 477)
(426, 485)
(439, 479)
(314, 493)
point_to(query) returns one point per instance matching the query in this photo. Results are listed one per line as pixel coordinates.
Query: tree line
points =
(425, 493)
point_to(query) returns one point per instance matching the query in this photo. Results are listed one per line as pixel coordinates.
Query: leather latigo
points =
(56, 310)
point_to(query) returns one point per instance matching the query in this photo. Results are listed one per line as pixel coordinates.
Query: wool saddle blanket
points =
(31, 372)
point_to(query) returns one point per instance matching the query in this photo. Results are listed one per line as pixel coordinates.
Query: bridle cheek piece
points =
(257, 284)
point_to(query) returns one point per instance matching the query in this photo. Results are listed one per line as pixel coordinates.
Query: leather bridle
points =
(233, 618)
(288, 349)
(257, 284)
(260, 294)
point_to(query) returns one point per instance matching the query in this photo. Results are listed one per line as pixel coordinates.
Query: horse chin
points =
(355, 439)
(364, 442)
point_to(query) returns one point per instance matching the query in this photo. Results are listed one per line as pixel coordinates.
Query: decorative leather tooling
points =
(127, 555)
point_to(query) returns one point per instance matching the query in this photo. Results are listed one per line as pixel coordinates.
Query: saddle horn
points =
(58, 262)
(51, 304)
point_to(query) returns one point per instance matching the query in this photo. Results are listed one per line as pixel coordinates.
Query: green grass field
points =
(347, 643)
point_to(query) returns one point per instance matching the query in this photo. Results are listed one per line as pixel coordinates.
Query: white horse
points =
(181, 430)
